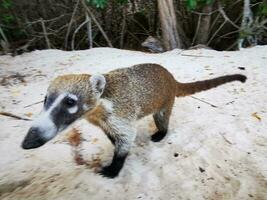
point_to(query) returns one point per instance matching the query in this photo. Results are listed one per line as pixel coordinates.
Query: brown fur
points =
(139, 91)
(134, 92)
(97, 115)
(145, 89)
(184, 89)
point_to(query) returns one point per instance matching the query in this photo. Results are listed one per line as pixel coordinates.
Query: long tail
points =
(184, 89)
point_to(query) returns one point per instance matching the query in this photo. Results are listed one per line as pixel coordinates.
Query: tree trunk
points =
(171, 37)
(245, 26)
(202, 34)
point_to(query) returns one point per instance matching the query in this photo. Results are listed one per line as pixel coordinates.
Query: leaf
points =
(15, 92)
(209, 2)
(7, 18)
(263, 9)
(255, 114)
(6, 4)
(192, 4)
(29, 114)
(94, 140)
(98, 3)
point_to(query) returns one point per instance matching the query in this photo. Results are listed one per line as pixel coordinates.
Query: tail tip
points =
(242, 78)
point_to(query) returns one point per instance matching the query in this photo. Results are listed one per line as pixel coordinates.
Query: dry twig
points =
(34, 104)
(14, 116)
(123, 28)
(89, 31)
(97, 23)
(76, 31)
(45, 34)
(226, 18)
(212, 105)
(196, 56)
(70, 23)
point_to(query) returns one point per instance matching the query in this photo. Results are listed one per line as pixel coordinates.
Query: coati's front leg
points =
(122, 136)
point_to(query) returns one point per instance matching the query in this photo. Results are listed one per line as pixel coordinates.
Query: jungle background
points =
(26, 25)
(216, 146)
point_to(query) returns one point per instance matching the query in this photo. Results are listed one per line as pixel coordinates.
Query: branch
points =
(48, 20)
(123, 27)
(75, 32)
(70, 23)
(216, 32)
(226, 18)
(196, 32)
(45, 34)
(14, 116)
(246, 21)
(197, 56)
(89, 31)
(3, 35)
(201, 13)
(212, 105)
(4, 43)
(97, 23)
(34, 104)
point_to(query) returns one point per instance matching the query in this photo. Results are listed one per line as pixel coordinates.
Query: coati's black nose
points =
(33, 139)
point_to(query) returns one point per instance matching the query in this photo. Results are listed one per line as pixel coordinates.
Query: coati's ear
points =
(98, 83)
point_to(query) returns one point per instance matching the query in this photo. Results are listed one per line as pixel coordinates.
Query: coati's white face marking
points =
(73, 110)
(73, 96)
(44, 121)
(63, 108)
(58, 112)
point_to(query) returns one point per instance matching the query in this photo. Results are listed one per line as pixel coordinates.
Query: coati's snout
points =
(67, 99)
(33, 139)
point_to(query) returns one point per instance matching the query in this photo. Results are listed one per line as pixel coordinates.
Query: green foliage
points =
(263, 9)
(103, 3)
(192, 4)
(98, 3)
(6, 4)
(9, 22)
(6, 18)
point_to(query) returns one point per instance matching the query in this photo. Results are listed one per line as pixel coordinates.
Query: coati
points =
(153, 44)
(113, 101)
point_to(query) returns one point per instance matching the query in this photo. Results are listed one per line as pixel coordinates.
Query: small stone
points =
(201, 169)
(241, 68)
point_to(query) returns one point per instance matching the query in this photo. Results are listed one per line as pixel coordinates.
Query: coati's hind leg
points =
(122, 136)
(161, 119)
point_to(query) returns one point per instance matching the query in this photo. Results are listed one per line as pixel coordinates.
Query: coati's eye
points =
(69, 102)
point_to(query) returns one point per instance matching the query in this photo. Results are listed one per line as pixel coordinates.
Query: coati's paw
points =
(114, 168)
(109, 171)
(158, 136)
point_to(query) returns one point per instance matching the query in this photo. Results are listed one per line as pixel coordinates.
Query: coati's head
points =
(68, 97)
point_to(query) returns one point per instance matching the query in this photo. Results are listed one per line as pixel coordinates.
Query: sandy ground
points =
(209, 153)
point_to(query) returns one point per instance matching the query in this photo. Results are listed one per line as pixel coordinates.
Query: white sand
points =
(227, 142)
